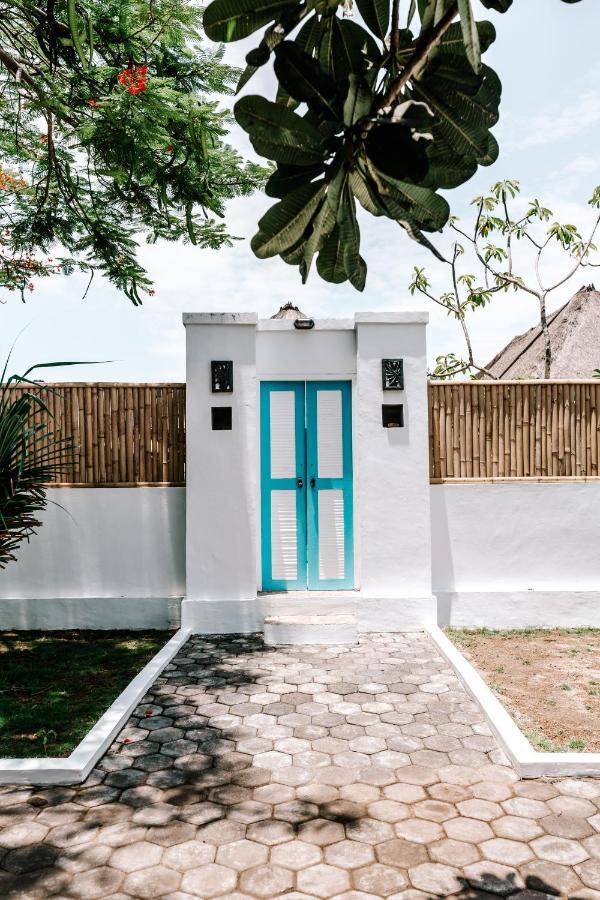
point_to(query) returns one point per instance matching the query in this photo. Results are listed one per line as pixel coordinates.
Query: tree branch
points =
(395, 31)
(425, 45)
(579, 261)
(21, 75)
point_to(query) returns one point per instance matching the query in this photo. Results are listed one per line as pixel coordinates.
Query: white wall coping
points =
(406, 317)
(219, 318)
(75, 768)
(320, 325)
(527, 762)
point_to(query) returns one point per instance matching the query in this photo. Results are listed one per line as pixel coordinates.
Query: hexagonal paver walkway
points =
(352, 773)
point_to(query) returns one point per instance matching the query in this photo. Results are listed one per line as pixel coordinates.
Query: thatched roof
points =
(575, 338)
(289, 311)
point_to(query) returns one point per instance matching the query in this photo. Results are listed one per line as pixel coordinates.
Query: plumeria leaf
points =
(284, 223)
(304, 79)
(376, 14)
(231, 20)
(279, 133)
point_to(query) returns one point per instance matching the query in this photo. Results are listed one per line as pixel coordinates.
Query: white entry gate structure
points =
(307, 471)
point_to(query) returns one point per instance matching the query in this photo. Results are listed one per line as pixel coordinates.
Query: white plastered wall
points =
(221, 476)
(103, 558)
(516, 554)
(391, 520)
(393, 476)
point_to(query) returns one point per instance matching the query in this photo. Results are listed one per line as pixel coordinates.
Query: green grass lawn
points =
(55, 685)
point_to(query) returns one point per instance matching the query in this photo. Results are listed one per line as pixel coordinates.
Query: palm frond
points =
(32, 454)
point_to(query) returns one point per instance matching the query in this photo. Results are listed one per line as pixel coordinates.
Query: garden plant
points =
(32, 455)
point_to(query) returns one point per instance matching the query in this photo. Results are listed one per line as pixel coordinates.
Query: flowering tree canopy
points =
(108, 130)
(385, 109)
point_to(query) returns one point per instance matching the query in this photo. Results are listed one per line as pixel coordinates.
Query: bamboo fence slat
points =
(514, 430)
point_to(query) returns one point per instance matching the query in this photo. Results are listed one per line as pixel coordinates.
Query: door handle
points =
(300, 483)
(312, 482)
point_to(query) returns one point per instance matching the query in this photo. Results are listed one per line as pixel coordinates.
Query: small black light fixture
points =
(221, 418)
(304, 324)
(392, 415)
(221, 376)
(392, 374)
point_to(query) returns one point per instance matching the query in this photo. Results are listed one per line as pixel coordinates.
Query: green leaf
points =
(470, 33)
(231, 20)
(279, 133)
(272, 37)
(307, 39)
(324, 221)
(358, 279)
(322, 226)
(346, 48)
(285, 222)
(304, 79)
(491, 153)
(447, 169)
(350, 237)
(245, 77)
(293, 255)
(452, 44)
(431, 11)
(286, 179)
(75, 36)
(376, 14)
(463, 120)
(417, 235)
(358, 102)
(330, 261)
(367, 197)
(391, 205)
(426, 207)
(502, 6)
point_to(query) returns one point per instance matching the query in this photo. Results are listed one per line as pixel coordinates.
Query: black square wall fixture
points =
(392, 415)
(221, 418)
(392, 374)
(221, 376)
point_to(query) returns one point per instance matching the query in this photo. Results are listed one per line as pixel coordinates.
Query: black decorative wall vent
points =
(392, 374)
(221, 376)
(221, 418)
(392, 415)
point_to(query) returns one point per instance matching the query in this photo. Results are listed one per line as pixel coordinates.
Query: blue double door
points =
(306, 485)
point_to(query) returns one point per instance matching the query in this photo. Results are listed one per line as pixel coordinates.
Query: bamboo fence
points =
(134, 434)
(124, 434)
(514, 429)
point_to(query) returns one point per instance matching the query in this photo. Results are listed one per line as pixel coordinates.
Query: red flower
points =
(134, 79)
(93, 103)
(151, 292)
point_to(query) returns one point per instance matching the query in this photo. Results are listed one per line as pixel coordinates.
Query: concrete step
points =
(310, 629)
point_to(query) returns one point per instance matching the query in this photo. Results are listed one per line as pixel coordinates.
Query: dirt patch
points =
(549, 680)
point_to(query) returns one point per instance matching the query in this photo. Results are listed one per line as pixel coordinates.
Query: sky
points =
(549, 136)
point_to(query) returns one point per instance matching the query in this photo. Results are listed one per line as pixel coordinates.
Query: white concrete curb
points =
(528, 763)
(76, 767)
